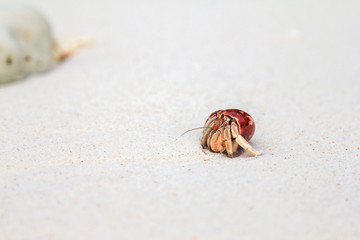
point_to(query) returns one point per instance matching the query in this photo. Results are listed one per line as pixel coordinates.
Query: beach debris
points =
(27, 44)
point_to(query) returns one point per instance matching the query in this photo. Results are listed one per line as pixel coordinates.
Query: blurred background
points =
(91, 149)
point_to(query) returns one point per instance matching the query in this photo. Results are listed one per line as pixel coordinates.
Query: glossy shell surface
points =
(245, 122)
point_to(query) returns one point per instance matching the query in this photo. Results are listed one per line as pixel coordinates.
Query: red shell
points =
(244, 120)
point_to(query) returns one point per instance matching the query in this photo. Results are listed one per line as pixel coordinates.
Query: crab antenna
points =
(197, 129)
(192, 130)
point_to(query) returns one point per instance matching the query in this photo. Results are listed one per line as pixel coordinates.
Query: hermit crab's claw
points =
(244, 144)
(207, 132)
(228, 142)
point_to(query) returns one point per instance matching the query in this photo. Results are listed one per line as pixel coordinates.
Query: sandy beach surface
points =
(91, 149)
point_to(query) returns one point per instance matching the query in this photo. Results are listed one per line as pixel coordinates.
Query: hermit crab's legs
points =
(228, 142)
(244, 144)
(241, 140)
(212, 125)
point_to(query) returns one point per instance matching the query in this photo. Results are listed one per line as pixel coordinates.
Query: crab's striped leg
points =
(217, 142)
(207, 131)
(241, 140)
(228, 142)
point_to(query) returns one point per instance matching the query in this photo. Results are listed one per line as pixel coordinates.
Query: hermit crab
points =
(228, 130)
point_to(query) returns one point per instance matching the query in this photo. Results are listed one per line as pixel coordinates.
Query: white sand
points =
(90, 150)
